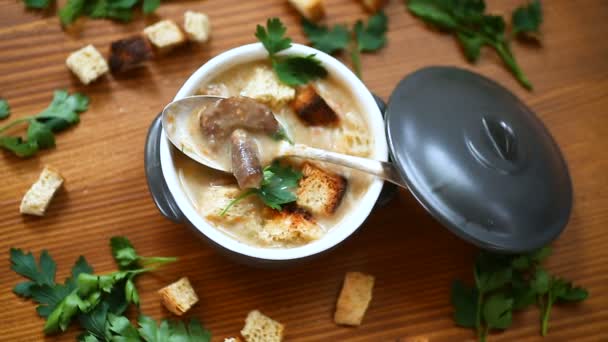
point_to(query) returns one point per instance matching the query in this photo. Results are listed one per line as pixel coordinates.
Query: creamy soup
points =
(250, 221)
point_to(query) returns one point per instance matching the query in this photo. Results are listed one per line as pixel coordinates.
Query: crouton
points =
(373, 6)
(164, 35)
(312, 108)
(197, 26)
(129, 53)
(219, 89)
(178, 297)
(310, 9)
(39, 196)
(218, 198)
(292, 226)
(261, 328)
(319, 191)
(87, 64)
(264, 86)
(354, 298)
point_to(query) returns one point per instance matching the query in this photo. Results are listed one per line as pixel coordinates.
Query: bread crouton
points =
(373, 6)
(129, 53)
(242, 212)
(197, 26)
(291, 226)
(354, 298)
(319, 191)
(39, 196)
(264, 86)
(178, 297)
(261, 328)
(165, 35)
(87, 64)
(312, 108)
(310, 9)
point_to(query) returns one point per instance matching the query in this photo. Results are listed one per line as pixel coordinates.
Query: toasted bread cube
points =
(320, 192)
(165, 35)
(312, 108)
(293, 226)
(261, 328)
(264, 86)
(129, 53)
(310, 9)
(178, 297)
(354, 298)
(87, 64)
(219, 197)
(373, 6)
(197, 26)
(39, 196)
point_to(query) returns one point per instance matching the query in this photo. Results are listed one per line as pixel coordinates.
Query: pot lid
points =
(478, 159)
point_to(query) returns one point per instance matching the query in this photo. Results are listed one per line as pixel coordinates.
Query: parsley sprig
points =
(60, 114)
(121, 10)
(364, 37)
(98, 301)
(5, 109)
(291, 70)
(276, 189)
(504, 284)
(473, 28)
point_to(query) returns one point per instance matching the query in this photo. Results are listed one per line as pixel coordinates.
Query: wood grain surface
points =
(413, 258)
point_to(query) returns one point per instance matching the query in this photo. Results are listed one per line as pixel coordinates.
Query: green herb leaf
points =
(291, 70)
(497, 311)
(492, 272)
(527, 19)
(324, 39)
(71, 11)
(131, 294)
(172, 331)
(65, 107)
(474, 29)
(94, 322)
(371, 37)
(541, 282)
(5, 109)
(122, 329)
(273, 36)
(40, 134)
(123, 252)
(150, 6)
(38, 4)
(298, 70)
(26, 266)
(464, 301)
(277, 187)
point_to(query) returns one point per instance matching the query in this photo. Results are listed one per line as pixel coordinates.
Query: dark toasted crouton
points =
(126, 54)
(292, 225)
(319, 191)
(312, 109)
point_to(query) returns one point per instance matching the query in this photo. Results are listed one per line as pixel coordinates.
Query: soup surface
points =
(250, 221)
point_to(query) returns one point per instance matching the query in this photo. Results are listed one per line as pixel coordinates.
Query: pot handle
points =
(156, 182)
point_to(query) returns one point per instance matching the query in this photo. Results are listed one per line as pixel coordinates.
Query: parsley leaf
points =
(558, 290)
(472, 27)
(39, 274)
(527, 19)
(121, 10)
(464, 300)
(497, 311)
(172, 331)
(5, 109)
(325, 39)
(61, 113)
(297, 70)
(276, 188)
(371, 37)
(38, 4)
(291, 70)
(127, 258)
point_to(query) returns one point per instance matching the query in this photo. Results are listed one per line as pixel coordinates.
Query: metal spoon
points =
(175, 124)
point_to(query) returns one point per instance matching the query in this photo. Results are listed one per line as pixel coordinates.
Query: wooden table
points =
(413, 257)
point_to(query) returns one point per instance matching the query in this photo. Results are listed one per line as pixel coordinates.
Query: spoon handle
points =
(377, 168)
